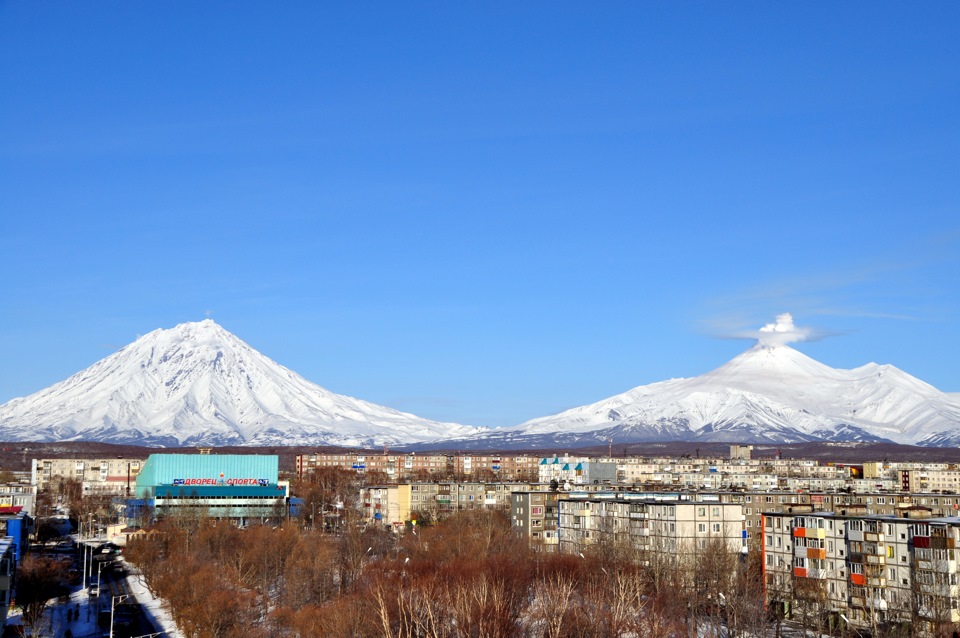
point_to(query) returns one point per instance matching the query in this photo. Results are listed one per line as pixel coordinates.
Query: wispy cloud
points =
(905, 289)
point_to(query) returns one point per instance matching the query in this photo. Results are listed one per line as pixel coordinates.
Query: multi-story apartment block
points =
(394, 505)
(399, 467)
(870, 570)
(536, 515)
(652, 525)
(393, 466)
(19, 495)
(116, 476)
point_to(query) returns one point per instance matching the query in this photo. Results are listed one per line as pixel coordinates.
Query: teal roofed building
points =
(577, 471)
(240, 487)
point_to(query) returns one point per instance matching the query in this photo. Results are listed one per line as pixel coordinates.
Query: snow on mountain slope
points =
(770, 393)
(197, 384)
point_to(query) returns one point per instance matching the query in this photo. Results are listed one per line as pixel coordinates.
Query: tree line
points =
(470, 575)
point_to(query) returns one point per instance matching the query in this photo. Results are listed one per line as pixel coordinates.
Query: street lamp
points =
(113, 604)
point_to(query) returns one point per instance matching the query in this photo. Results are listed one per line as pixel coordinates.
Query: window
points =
(701, 527)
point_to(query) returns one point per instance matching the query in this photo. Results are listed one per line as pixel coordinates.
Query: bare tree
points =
(39, 580)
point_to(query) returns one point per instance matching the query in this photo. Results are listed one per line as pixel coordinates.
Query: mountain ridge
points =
(768, 394)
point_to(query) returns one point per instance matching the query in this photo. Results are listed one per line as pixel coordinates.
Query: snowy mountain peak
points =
(198, 384)
(771, 393)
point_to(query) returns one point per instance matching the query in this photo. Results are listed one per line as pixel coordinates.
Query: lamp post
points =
(113, 604)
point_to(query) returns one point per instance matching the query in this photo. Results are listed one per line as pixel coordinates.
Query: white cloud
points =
(778, 332)
(783, 330)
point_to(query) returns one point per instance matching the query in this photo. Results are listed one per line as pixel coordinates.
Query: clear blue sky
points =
(480, 212)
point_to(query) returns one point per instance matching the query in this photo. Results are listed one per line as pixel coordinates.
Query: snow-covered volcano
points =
(197, 384)
(770, 393)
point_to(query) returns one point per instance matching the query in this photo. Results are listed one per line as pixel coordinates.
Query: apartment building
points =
(397, 467)
(115, 476)
(535, 514)
(653, 525)
(871, 570)
(19, 495)
(395, 504)
(393, 466)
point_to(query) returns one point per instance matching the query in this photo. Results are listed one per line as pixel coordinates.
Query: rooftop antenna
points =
(611, 447)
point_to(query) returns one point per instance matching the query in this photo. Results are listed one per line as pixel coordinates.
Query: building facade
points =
(871, 571)
(19, 495)
(664, 526)
(116, 476)
(536, 515)
(240, 487)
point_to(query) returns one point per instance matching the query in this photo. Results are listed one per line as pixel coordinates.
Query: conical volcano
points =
(197, 384)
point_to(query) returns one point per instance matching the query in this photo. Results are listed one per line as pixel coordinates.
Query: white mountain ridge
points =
(197, 384)
(771, 393)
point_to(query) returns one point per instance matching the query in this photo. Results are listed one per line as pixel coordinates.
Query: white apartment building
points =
(662, 526)
(117, 476)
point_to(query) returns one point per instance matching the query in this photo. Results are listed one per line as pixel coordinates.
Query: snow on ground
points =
(151, 605)
(85, 608)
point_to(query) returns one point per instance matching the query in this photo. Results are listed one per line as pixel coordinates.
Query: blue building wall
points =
(18, 528)
(218, 471)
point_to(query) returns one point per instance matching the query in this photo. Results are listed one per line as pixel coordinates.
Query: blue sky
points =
(480, 212)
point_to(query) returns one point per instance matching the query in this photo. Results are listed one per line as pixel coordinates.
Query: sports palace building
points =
(241, 487)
